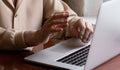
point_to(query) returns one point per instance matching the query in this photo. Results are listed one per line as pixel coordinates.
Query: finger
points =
(81, 27)
(74, 31)
(62, 20)
(80, 36)
(91, 33)
(77, 30)
(90, 37)
(58, 23)
(55, 29)
(88, 32)
(61, 25)
(60, 15)
(59, 18)
(86, 35)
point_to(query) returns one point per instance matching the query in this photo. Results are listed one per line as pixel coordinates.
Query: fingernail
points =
(82, 33)
(84, 40)
(78, 30)
(81, 37)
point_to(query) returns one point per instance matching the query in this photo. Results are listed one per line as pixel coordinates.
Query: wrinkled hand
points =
(56, 23)
(82, 29)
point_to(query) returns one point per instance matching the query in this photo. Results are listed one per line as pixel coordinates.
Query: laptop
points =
(72, 55)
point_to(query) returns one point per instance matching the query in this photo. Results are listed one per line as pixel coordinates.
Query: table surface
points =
(14, 60)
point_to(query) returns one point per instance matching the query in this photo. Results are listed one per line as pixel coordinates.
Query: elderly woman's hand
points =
(82, 29)
(54, 24)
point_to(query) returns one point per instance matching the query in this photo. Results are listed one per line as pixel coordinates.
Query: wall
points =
(105, 0)
(91, 7)
(76, 5)
(85, 7)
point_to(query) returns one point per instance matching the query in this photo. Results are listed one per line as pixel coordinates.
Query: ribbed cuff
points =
(19, 40)
(71, 22)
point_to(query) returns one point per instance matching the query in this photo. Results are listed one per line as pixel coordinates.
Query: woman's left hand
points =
(82, 29)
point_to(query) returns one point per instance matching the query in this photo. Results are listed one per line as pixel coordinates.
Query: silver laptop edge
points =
(106, 41)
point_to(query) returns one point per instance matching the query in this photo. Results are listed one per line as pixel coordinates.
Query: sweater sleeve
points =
(11, 40)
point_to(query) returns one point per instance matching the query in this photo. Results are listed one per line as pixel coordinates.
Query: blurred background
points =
(87, 8)
(105, 0)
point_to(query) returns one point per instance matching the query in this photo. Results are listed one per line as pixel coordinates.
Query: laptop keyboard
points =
(76, 58)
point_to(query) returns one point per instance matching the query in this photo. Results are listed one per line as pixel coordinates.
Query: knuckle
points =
(80, 20)
(88, 29)
(53, 21)
(65, 21)
(81, 24)
(91, 31)
(83, 27)
(53, 17)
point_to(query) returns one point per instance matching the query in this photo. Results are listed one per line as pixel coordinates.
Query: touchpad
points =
(67, 45)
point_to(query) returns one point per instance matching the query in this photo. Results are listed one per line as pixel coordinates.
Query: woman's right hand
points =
(54, 24)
